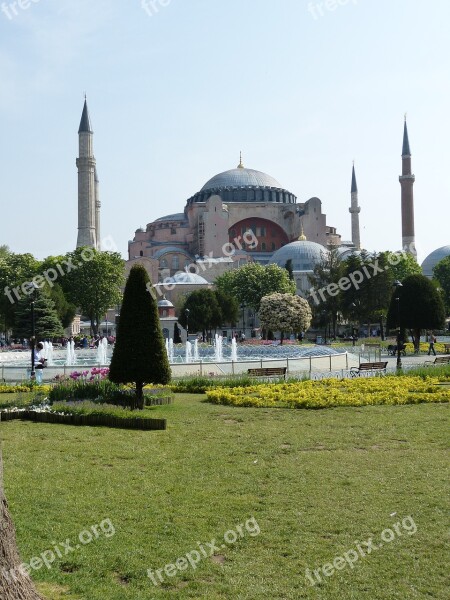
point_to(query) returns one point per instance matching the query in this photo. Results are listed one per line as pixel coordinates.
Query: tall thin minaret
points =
(86, 183)
(407, 182)
(354, 211)
(97, 209)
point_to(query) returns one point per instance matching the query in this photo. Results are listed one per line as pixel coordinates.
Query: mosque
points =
(190, 249)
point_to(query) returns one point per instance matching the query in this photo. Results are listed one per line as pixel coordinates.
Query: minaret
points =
(97, 209)
(407, 182)
(86, 183)
(354, 211)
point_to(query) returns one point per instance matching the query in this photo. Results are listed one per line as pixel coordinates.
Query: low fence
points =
(330, 362)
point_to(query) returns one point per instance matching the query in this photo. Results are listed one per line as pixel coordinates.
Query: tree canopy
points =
(420, 306)
(251, 282)
(94, 283)
(285, 313)
(441, 273)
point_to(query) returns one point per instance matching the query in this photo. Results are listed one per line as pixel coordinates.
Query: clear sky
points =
(176, 90)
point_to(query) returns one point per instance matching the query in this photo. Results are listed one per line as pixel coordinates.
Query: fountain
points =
(196, 354)
(218, 348)
(233, 349)
(171, 350)
(102, 351)
(70, 354)
(188, 352)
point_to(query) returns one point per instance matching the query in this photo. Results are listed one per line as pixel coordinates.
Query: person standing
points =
(432, 341)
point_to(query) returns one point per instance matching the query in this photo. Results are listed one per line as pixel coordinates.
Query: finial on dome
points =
(240, 165)
(302, 237)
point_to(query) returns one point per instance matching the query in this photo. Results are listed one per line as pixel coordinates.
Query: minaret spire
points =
(407, 180)
(87, 219)
(354, 211)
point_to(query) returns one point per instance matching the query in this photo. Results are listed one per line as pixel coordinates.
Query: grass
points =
(315, 481)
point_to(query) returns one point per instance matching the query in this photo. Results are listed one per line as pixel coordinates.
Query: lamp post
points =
(186, 312)
(33, 330)
(243, 317)
(397, 285)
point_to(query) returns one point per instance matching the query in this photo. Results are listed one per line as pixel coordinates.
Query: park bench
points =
(439, 360)
(377, 367)
(268, 372)
(447, 348)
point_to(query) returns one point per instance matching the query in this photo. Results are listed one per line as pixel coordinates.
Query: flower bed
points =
(332, 393)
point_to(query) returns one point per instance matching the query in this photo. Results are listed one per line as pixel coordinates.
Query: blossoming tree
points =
(285, 313)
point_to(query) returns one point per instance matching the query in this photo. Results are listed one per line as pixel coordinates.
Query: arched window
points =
(175, 262)
(141, 253)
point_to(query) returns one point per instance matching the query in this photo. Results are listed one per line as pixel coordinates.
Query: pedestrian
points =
(39, 361)
(432, 340)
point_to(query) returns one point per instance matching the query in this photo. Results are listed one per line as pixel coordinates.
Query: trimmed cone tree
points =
(15, 583)
(140, 355)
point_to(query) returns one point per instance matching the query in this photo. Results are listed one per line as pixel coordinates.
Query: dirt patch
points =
(218, 559)
(231, 422)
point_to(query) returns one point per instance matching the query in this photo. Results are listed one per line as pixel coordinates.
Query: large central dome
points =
(241, 177)
(244, 185)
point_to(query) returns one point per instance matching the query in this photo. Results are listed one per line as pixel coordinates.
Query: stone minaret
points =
(97, 209)
(354, 211)
(407, 182)
(86, 183)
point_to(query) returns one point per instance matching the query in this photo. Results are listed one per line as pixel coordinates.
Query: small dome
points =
(241, 177)
(164, 303)
(304, 255)
(432, 260)
(186, 278)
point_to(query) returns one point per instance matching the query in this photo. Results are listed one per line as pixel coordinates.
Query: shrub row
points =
(88, 413)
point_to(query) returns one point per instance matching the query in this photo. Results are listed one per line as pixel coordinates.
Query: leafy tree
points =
(228, 306)
(204, 311)
(47, 322)
(15, 271)
(326, 305)
(420, 306)
(66, 311)
(94, 283)
(15, 583)
(251, 282)
(402, 264)
(139, 355)
(441, 273)
(285, 313)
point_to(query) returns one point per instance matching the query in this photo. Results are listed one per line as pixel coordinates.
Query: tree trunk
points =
(139, 395)
(15, 583)
(281, 338)
(381, 330)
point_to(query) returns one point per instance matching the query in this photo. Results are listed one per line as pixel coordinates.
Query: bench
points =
(447, 348)
(439, 360)
(379, 367)
(268, 372)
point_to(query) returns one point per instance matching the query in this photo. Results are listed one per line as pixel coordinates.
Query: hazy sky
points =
(177, 90)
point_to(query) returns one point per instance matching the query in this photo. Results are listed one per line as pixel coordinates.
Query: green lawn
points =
(317, 482)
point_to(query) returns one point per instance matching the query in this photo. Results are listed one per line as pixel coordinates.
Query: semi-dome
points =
(174, 217)
(432, 260)
(184, 277)
(304, 255)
